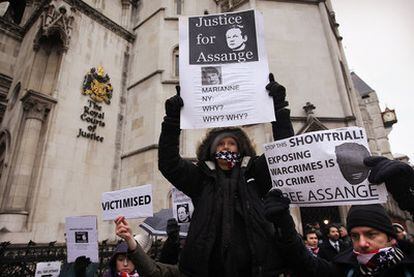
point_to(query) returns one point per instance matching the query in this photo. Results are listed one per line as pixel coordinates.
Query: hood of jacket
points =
(243, 142)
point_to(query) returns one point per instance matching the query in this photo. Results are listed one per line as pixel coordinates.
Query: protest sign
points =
(223, 70)
(82, 238)
(48, 269)
(131, 202)
(324, 168)
(182, 207)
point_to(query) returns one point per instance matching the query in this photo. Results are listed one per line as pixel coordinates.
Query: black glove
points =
(174, 104)
(173, 229)
(277, 211)
(276, 205)
(81, 263)
(278, 92)
(398, 178)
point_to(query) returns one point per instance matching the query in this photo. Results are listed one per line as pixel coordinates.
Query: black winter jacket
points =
(249, 249)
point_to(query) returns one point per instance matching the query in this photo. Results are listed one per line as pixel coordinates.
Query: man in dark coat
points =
(375, 252)
(331, 246)
(228, 235)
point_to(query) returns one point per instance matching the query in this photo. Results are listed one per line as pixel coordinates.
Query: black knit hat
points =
(373, 216)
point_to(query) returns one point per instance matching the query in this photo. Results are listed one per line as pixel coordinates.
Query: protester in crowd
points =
(400, 231)
(143, 263)
(375, 251)
(311, 241)
(344, 237)
(228, 235)
(331, 246)
(120, 264)
(317, 227)
(171, 248)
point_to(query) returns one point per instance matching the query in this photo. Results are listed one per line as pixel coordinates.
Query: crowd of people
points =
(242, 227)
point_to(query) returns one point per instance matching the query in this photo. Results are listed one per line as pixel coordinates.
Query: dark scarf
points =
(381, 261)
(228, 181)
(221, 263)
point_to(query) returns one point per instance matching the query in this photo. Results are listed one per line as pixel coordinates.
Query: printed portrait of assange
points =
(183, 213)
(235, 38)
(350, 158)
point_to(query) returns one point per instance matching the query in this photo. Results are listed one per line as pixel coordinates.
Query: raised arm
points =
(282, 127)
(298, 258)
(181, 173)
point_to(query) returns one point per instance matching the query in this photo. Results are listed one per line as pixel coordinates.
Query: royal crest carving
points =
(57, 19)
(97, 85)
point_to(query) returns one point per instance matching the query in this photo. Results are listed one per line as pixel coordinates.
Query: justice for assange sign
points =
(223, 70)
(324, 168)
(131, 203)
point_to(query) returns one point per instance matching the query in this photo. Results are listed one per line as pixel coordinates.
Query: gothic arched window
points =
(175, 62)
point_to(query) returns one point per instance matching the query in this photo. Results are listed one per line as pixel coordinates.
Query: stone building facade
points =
(61, 149)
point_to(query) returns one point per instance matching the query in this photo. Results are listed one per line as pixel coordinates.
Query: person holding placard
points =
(120, 264)
(376, 250)
(228, 235)
(145, 266)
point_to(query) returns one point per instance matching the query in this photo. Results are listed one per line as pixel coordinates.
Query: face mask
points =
(231, 157)
(365, 258)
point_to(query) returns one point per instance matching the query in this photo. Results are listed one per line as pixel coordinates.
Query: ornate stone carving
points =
(37, 105)
(228, 5)
(309, 107)
(57, 19)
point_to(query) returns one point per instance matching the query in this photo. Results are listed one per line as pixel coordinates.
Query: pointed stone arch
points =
(56, 24)
(312, 122)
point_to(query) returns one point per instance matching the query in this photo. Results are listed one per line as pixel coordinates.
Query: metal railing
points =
(21, 259)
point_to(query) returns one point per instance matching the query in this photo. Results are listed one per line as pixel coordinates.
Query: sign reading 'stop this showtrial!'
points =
(223, 70)
(324, 168)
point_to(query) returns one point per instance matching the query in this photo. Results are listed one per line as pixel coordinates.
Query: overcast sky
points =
(379, 46)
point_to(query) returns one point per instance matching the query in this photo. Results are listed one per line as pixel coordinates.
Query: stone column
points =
(15, 208)
(126, 13)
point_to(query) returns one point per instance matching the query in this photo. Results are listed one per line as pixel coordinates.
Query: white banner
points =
(82, 238)
(224, 70)
(324, 168)
(131, 202)
(182, 207)
(48, 269)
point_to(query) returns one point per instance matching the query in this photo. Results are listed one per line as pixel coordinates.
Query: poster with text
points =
(131, 202)
(182, 207)
(324, 168)
(223, 70)
(82, 238)
(48, 269)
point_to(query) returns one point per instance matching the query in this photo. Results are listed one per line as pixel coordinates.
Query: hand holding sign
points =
(123, 230)
(174, 104)
(398, 178)
(278, 92)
